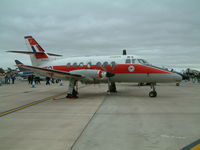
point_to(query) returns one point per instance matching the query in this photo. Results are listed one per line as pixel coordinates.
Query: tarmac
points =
(127, 120)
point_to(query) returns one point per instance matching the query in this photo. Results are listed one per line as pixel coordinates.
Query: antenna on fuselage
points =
(124, 52)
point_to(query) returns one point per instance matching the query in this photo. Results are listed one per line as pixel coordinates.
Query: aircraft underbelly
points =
(159, 78)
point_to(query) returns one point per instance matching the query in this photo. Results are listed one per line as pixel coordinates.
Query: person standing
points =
(47, 80)
(32, 78)
(13, 77)
(6, 79)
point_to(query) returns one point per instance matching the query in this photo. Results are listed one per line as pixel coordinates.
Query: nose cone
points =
(176, 77)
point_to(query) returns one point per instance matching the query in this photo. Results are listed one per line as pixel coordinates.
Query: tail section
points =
(35, 47)
(37, 53)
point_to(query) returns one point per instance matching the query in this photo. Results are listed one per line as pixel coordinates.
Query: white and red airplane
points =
(96, 69)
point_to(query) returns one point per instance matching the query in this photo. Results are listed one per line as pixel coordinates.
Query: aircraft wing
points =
(52, 73)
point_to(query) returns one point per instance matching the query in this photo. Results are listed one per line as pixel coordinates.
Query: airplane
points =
(96, 69)
(23, 71)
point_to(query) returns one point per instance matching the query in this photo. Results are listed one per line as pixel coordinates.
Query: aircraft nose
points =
(177, 77)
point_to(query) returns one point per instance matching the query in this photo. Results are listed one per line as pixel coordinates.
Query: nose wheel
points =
(153, 93)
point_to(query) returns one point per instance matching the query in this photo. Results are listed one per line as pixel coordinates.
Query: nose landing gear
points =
(153, 93)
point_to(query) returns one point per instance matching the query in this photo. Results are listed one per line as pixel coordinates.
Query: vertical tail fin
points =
(37, 53)
(39, 57)
(36, 48)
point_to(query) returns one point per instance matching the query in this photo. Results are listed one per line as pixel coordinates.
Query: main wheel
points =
(177, 84)
(152, 94)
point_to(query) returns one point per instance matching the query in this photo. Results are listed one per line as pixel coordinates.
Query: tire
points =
(152, 94)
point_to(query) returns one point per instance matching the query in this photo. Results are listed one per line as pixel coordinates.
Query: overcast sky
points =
(165, 32)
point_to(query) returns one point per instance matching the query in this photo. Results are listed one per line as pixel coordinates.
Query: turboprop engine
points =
(93, 76)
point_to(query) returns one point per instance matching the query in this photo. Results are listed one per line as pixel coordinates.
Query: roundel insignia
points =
(131, 68)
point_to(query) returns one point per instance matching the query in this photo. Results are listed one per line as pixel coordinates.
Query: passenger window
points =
(98, 64)
(105, 64)
(75, 65)
(89, 64)
(128, 61)
(68, 65)
(81, 65)
(113, 64)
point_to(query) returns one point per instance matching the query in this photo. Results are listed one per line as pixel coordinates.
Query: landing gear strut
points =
(72, 89)
(111, 88)
(153, 93)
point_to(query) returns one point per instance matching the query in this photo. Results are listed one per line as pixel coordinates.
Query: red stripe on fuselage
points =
(120, 68)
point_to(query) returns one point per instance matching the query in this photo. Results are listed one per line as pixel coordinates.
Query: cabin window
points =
(105, 64)
(113, 64)
(81, 64)
(98, 64)
(128, 61)
(74, 65)
(68, 65)
(89, 64)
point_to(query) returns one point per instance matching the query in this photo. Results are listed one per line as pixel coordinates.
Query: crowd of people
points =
(8, 78)
(37, 79)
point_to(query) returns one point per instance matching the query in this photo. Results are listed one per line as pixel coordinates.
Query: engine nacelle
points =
(91, 75)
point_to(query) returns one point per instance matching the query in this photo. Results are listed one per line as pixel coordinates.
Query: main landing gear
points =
(72, 89)
(112, 88)
(153, 93)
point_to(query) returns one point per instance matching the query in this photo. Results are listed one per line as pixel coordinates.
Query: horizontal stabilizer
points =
(29, 53)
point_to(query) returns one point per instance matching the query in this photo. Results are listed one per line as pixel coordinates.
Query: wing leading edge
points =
(52, 73)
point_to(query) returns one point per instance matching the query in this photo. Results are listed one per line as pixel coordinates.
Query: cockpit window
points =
(142, 61)
(128, 61)
(133, 61)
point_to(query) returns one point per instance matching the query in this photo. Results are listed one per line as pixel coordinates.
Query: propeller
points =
(109, 74)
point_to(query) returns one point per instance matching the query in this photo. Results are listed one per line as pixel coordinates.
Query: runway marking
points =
(31, 104)
(28, 105)
(194, 146)
(197, 147)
